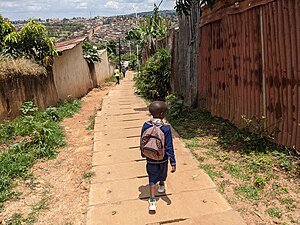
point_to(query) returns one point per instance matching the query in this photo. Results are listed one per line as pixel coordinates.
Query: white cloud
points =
(24, 9)
(82, 5)
(112, 5)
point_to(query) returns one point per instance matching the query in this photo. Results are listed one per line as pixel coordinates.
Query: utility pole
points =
(120, 54)
(130, 49)
(137, 46)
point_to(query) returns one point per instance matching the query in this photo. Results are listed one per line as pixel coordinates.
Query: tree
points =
(190, 11)
(111, 47)
(149, 31)
(32, 41)
(131, 58)
(5, 28)
(185, 6)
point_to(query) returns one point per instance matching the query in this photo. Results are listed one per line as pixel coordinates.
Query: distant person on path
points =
(123, 71)
(157, 146)
(117, 74)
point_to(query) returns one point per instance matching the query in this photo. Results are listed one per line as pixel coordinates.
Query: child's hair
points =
(157, 107)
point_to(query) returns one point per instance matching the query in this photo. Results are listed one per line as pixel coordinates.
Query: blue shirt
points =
(169, 148)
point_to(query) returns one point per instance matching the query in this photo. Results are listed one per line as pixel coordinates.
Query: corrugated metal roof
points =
(69, 44)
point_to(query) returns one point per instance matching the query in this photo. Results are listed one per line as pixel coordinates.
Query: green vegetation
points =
(17, 219)
(288, 202)
(88, 175)
(154, 80)
(209, 169)
(244, 162)
(110, 80)
(152, 29)
(260, 181)
(91, 123)
(63, 29)
(247, 192)
(2, 207)
(31, 41)
(274, 212)
(111, 48)
(257, 153)
(90, 52)
(132, 59)
(236, 171)
(33, 135)
(184, 7)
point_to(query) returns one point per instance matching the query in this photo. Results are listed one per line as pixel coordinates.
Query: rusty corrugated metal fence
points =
(249, 64)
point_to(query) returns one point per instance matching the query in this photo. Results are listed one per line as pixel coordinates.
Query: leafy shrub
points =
(31, 41)
(131, 58)
(5, 28)
(175, 106)
(90, 52)
(260, 182)
(154, 80)
(28, 108)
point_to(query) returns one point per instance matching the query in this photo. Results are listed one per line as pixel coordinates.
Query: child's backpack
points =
(153, 143)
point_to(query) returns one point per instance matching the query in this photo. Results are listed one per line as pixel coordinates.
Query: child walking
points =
(117, 74)
(157, 146)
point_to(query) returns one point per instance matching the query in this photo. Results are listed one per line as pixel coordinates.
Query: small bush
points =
(154, 80)
(260, 182)
(90, 52)
(274, 212)
(175, 106)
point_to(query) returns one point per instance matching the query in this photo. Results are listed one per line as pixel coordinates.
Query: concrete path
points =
(119, 190)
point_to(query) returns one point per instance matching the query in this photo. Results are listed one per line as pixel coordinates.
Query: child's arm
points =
(143, 130)
(169, 148)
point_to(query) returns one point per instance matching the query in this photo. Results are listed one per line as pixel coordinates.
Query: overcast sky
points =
(24, 9)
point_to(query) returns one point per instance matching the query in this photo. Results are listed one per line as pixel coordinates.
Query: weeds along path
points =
(57, 192)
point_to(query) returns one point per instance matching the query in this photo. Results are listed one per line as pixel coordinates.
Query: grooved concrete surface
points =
(119, 190)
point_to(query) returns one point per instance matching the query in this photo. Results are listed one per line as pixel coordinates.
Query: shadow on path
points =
(144, 195)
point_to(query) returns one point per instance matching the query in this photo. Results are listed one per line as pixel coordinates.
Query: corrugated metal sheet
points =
(69, 44)
(230, 79)
(281, 27)
(240, 51)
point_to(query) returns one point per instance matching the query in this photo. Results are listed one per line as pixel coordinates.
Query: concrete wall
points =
(71, 74)
(102, 69)
(112, 67)
(15, 91)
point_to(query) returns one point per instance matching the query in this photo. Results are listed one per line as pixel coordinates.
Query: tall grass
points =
(10, 68)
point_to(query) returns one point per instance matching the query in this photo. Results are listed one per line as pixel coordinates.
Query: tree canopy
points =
(184, 6)
(31, 41)
(149, 30)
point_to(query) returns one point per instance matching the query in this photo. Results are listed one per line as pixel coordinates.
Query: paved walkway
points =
(119, 190)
